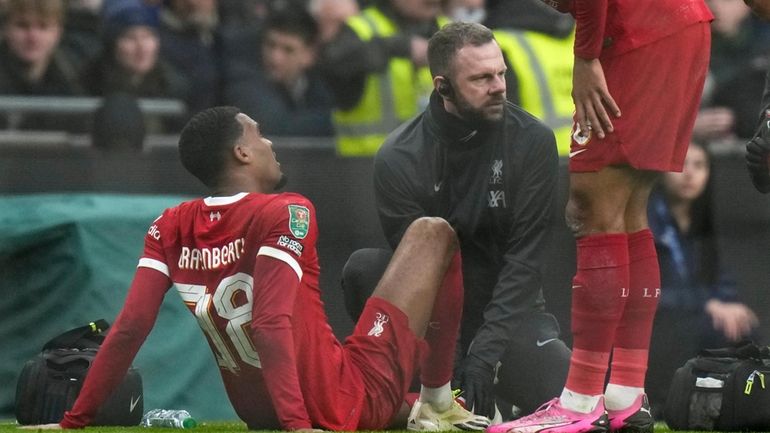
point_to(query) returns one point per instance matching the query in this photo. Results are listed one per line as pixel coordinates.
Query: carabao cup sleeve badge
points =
(299, 221)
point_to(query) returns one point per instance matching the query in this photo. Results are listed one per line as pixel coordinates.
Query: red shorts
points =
(386, 352)
(658, 88)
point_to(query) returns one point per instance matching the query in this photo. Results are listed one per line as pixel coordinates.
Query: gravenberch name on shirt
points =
(211, 258)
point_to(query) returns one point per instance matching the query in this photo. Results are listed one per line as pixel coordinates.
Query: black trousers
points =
(533, 368)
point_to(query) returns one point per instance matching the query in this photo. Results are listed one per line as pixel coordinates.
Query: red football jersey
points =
(208, 248)
(612, 27)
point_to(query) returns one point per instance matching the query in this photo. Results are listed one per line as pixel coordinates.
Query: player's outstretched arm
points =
(279, 273)
(275, 288)
(126, 336)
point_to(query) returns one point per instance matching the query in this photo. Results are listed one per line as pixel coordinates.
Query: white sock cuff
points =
(619, 397)
(440, 398)
(577, 402)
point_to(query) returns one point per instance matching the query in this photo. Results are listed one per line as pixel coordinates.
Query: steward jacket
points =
(542, 66)
(495, 183)
(376, 85)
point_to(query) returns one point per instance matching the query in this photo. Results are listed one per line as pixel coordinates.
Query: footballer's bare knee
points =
(413, 277)
(589, 213)
(578, 213)
(434, 232)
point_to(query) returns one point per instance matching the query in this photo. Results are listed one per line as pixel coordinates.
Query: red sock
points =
(598, 291)
(436, 367)
(632, 339)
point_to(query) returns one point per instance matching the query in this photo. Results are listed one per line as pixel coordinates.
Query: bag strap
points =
(742, 350)
(82, 336)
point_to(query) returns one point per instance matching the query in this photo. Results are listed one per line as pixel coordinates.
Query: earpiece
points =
(445, 88)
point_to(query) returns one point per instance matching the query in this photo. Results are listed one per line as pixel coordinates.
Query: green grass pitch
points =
(9, 426)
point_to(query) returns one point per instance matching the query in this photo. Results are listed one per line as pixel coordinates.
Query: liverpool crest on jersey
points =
(299, 221)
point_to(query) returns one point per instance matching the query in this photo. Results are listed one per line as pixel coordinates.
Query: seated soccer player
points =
(244, 261)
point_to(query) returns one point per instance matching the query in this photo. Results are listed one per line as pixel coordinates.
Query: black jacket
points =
(765, 98)
(496, 185)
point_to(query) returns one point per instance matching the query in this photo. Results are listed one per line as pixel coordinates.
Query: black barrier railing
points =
(18, 139)
(15, 107)
(84, 104)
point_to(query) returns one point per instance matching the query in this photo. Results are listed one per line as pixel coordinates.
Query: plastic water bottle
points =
(168, 418)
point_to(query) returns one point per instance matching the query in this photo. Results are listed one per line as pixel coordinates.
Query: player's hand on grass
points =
(41, 427)
(476, 379)
(593, 102)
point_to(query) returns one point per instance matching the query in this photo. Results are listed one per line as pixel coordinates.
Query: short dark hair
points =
(205, 140)
(294, 21)
(445, 43)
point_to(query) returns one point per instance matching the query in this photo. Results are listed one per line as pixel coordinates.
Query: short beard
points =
(472, 115)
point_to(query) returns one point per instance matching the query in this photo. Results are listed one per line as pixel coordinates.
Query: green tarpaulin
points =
(68, 259)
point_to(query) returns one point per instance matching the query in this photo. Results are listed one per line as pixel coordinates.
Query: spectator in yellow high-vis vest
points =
(377, 69)
(537, 43)
(542, 66)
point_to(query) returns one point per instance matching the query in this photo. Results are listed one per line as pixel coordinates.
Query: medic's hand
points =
(476, 379)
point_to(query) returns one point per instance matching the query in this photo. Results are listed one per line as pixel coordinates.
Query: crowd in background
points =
(739, 59)
(298, 68)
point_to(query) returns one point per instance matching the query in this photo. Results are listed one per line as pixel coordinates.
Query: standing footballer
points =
(638, 75)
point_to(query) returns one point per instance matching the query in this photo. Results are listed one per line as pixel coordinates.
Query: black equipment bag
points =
(722, 389)
(50, 382)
